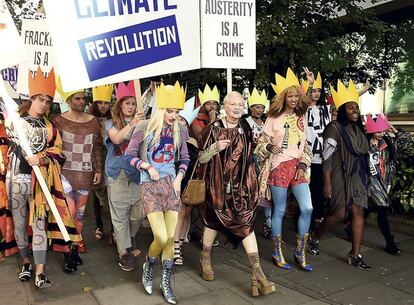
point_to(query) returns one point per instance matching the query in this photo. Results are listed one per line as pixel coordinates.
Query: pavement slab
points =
(403, 280)
(373, 293)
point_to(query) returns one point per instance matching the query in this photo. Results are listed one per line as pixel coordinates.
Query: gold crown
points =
(64, 94)
(316, 85)
(283, 83)
(209, 95)
(102, 93)
(170, 96)
(257, 99)
(344, 95)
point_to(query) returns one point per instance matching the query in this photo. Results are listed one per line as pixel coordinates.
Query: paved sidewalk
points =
(101, 281)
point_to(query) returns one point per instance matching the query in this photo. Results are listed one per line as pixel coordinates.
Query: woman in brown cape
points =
(232, 194)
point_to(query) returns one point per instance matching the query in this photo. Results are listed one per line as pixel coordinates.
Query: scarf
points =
(51, 173)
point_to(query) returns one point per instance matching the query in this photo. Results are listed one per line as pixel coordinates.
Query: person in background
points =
(123, 190)
(8, 244)
(148, 97)
(318, 117)
(257, 105)
(186, 117)
(210, 104)
(382, 157)
(100, 108)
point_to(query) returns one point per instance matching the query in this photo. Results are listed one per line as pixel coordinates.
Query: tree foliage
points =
(295, 33)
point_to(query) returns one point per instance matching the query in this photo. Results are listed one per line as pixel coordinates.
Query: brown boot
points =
(259, 283)
(206, 270)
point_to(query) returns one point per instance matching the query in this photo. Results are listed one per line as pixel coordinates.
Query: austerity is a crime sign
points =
(106, 41)
(228, 36)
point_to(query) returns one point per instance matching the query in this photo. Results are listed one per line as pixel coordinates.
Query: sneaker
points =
(313, 246)
(127, 262)
(358, 262)
(42, 282)
(26, 273)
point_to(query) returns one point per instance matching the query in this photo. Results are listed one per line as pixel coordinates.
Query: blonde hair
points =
(155, 125)
(278, 104)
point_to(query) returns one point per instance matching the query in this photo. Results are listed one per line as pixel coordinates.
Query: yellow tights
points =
(163, 228)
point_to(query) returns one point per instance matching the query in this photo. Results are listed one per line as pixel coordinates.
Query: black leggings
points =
(382, 220)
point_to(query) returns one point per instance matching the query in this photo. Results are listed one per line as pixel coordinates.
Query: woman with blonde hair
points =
(283, 143)
(123, 189)
(154, 146)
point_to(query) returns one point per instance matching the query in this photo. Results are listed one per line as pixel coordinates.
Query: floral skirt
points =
(284, 175)
(159, 196)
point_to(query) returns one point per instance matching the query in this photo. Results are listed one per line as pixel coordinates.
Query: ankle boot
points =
(259, 283)
(165, 281)
(357, 261)
(148, 273)
(277, 254)
(391, 247)
(206, 271)
(69, 265)
(74, 255)
(299, 253)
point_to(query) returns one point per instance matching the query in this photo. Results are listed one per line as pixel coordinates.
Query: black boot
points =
(74, 255)
(391, 247)
(357, 261)
(69, 264)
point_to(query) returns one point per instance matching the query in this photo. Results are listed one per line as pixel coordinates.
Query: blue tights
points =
(302, 195)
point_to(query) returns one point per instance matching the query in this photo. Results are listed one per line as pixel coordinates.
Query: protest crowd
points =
(157, 161)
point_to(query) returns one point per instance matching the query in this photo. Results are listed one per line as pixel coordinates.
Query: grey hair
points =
(232, 94)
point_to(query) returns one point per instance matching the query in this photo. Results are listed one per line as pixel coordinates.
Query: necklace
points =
(228, 122)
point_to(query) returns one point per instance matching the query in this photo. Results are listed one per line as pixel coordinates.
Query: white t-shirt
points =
(256, 129)
(318, 117)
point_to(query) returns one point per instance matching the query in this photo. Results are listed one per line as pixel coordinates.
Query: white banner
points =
(107, 41)
(38, 43)
(228, 36)
(9, 77)
(11, 48)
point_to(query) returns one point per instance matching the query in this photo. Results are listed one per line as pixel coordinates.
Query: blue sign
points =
(131, 47)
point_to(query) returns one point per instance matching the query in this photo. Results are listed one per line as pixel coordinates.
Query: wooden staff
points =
(11, 108)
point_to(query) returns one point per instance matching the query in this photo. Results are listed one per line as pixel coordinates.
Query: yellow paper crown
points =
(209, 95)
(64, 94)
(344, 95)
(316, 85)
(170, 96)
(257, 99)
(102, 93)
(283, 83)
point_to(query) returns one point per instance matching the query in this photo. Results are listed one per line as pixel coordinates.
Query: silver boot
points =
(148, 273)
(165, 282)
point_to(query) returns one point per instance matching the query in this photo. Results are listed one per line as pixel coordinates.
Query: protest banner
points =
(228, 35)
(9, 77)
(39, 47)
(11, 47)
(101, 42)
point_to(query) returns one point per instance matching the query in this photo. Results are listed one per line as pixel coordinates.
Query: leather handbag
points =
(195, 191)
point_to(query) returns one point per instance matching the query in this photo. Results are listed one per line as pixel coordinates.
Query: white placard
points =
(228, 34)
(11, 48)
(107, 41)
(9, 77)
(39, 47)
